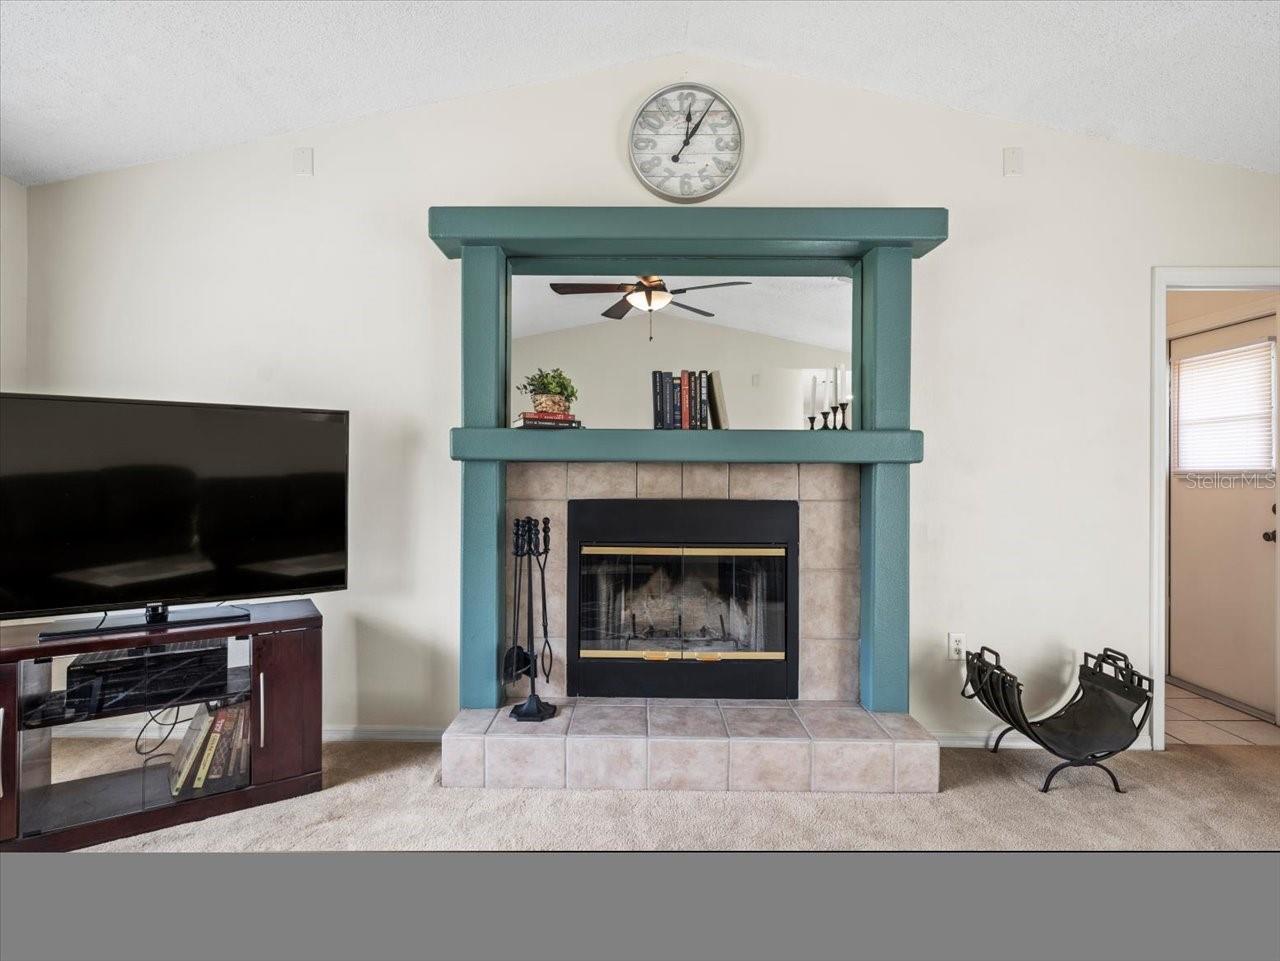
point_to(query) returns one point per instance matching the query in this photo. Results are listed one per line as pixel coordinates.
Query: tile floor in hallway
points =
(1192, 719)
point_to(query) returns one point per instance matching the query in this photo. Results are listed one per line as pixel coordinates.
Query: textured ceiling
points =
(95, 86)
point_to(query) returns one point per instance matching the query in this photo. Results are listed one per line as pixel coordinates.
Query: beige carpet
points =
(387, 796)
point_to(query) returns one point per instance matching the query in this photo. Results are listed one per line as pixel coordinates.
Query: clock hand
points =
(689, 136)
(688, 119)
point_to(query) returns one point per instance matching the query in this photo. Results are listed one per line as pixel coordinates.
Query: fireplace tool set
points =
(530, 547)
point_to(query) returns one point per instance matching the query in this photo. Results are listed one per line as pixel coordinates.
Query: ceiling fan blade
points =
(618, 310)
(592, 288)
(696, 310)
(727, 283)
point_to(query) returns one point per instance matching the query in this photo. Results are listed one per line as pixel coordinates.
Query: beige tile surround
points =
(829, 557)
(693, 745)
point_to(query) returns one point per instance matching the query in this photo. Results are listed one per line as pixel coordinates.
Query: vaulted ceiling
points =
(88, 87)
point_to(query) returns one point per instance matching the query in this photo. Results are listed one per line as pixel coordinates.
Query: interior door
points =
(1222, 557)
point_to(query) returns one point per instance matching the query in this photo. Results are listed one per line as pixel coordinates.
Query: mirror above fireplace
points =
(767, 336)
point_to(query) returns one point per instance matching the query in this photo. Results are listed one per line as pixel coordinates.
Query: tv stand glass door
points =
(124, 730)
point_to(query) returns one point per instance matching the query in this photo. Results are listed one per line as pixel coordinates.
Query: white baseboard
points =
(983, 739)
(1012, 740)
(380, 732)
(331, 732)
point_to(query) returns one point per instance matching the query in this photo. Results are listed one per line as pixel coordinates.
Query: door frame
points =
(1164, 280)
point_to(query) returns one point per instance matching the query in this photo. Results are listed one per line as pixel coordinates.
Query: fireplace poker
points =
(528, 552)
(548, 657)
(515, 664)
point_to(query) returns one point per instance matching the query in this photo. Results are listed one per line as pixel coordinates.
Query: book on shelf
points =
(210, 748)
(237, 739)
(547, 414)
(184, 759)
(244, 742)
(221, 766)
(688, 400)
(241, 743)
(531, 419)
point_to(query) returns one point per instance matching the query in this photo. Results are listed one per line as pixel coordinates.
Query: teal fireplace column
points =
(486, 283)
(885, 656)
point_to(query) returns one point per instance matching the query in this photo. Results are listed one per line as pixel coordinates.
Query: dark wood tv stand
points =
(280, 683)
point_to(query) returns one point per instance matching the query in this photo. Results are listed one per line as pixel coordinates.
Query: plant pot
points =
(550, 404)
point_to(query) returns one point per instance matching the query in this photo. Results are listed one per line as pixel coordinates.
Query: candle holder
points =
(835, 412)
(811, 420)
(844, 415)
(825, 425)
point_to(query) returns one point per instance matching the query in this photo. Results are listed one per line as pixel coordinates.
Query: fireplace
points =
(677, 598)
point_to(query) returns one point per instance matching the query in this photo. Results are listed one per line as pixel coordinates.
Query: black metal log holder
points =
(530, 547)
(1096, 724)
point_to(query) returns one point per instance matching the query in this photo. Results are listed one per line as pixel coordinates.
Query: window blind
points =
(1223, 409)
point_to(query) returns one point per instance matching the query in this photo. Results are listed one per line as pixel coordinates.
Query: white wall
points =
(766, 379)
(13, 284)
(225, 277)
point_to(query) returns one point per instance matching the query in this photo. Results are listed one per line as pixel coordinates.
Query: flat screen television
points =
(107, 505)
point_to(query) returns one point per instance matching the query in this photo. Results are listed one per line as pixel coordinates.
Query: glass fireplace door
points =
(682, 602)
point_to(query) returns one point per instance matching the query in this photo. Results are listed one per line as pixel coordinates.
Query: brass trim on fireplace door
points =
(735, 552)
(705, 657)
(687, 551)
(647, 551)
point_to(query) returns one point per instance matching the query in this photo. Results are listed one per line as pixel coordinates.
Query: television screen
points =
(112, 504)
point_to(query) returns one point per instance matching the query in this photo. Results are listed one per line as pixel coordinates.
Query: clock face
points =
(685, 143)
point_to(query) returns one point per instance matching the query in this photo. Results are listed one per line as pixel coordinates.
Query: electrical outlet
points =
(1012, 161)
(955, 646)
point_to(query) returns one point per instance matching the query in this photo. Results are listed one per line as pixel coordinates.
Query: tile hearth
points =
(693, 745)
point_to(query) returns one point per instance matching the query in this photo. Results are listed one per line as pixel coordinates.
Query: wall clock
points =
(685, 143)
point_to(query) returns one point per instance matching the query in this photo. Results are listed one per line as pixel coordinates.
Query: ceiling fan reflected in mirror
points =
(649, 293)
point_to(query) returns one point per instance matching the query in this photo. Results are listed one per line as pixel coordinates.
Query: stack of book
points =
(539, 421)
(689, 400)
(214, 751)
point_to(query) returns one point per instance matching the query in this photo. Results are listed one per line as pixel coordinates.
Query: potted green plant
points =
(552, 391)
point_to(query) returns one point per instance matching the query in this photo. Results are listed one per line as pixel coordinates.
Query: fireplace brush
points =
(529, 550)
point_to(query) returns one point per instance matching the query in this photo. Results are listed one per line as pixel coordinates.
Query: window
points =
(1223, 410)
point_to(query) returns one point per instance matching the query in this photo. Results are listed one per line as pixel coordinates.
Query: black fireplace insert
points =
(675, 598)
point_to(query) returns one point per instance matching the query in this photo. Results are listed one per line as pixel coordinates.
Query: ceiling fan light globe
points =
(642, 299)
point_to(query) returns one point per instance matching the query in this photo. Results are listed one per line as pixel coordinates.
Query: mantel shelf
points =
(707, 446)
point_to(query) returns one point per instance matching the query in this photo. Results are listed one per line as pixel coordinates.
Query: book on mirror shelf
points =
(537, 421)
(688, 400)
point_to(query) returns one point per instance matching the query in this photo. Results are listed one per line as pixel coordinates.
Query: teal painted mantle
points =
(787, 233)
(705, 446)
(874, 247)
